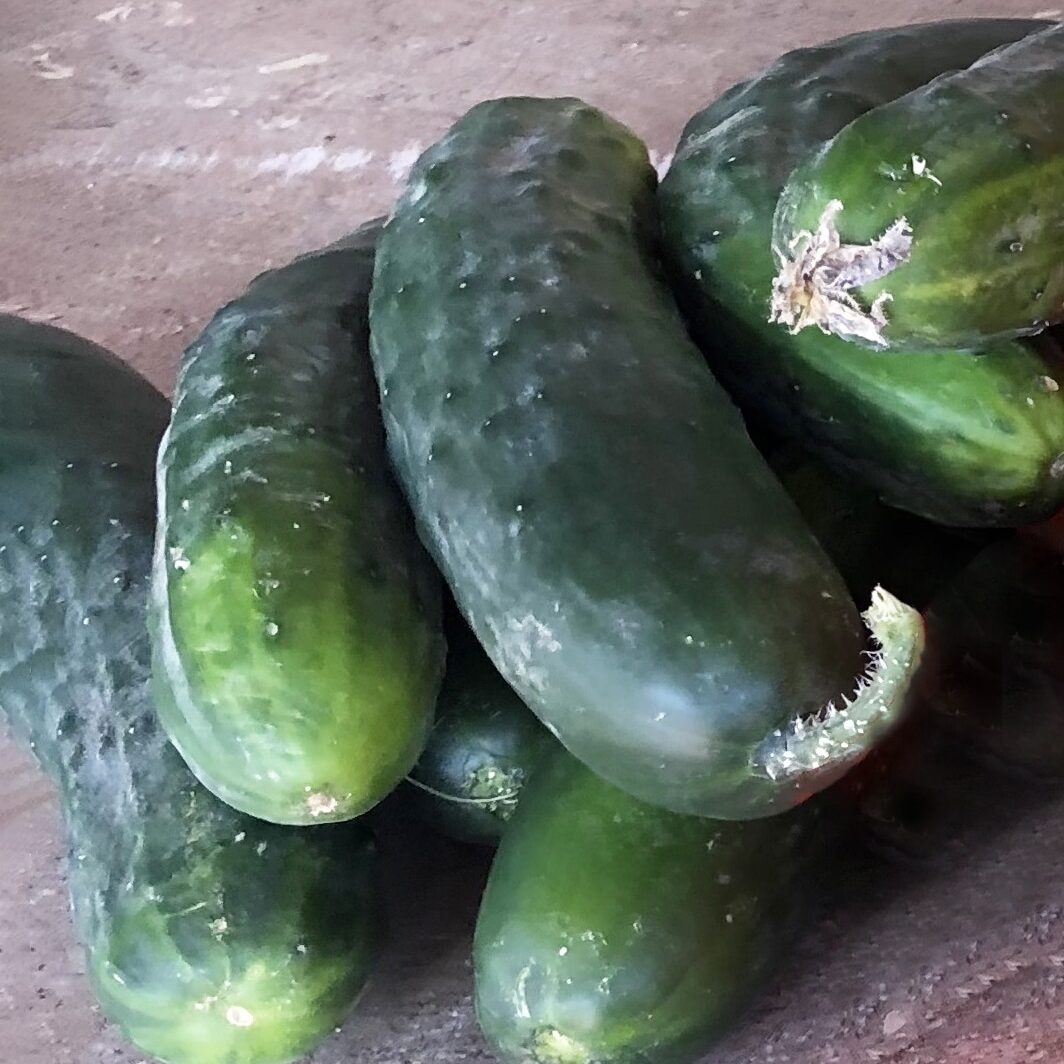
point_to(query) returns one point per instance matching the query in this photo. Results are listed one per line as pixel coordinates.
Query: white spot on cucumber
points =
(238, 1016)
(321, 804)
(178, 559)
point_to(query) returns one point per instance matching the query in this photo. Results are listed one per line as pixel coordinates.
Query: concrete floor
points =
(154, 155)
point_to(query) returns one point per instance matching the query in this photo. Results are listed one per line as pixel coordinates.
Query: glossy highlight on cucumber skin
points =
(210, 937)
(295, 616)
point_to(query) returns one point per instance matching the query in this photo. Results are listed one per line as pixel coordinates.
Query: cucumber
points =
(870, 543)
(961, 440)
(623, 553)
(934, 221)
(995, 676)
(484, 745)
(210, 937)
(295, 616)
(614, 932)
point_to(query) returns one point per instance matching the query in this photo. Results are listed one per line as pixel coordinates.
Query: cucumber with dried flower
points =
(934, 221)
(961, 440)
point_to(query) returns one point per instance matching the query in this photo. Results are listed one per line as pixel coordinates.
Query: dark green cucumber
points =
(961, 440)
(296, 618)
(484, 745)
(935, 221)
(614, 932)
(871, 543)
(616, 543)
(996, 674)
(211, 937)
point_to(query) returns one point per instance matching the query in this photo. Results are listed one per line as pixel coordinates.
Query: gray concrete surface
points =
(154, 155)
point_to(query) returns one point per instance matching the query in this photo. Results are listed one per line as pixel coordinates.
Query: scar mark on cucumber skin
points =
(520, 641)
(321, 804)
(239, 1016)
(813, 284)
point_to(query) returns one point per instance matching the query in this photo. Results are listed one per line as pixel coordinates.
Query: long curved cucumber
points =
(616, 543)
(210, 936)
(295, 615)
(934, 221)
(961, 440)
(614, 932)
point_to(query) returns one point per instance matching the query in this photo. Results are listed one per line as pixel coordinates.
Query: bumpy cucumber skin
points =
(985, 205)
(484, 746)
(961, 440)
(211, 937)
(614, 932)
(625, 556)
(295, 616)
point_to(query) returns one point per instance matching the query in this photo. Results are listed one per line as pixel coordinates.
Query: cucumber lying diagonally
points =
(935, 221)
(961, 440)
(623, 553)
(295, 616)
(210, 937)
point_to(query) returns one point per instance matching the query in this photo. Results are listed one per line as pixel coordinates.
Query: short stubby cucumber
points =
(211, 937)
(484, 746)
(935, 221)
(614, 932)
(961, 440)
(295, 616)
(609, 531)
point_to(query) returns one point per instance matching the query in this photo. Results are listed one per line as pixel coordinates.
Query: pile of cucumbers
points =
(466, 509)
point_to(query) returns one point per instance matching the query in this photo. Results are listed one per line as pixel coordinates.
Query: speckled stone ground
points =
(156, 154)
